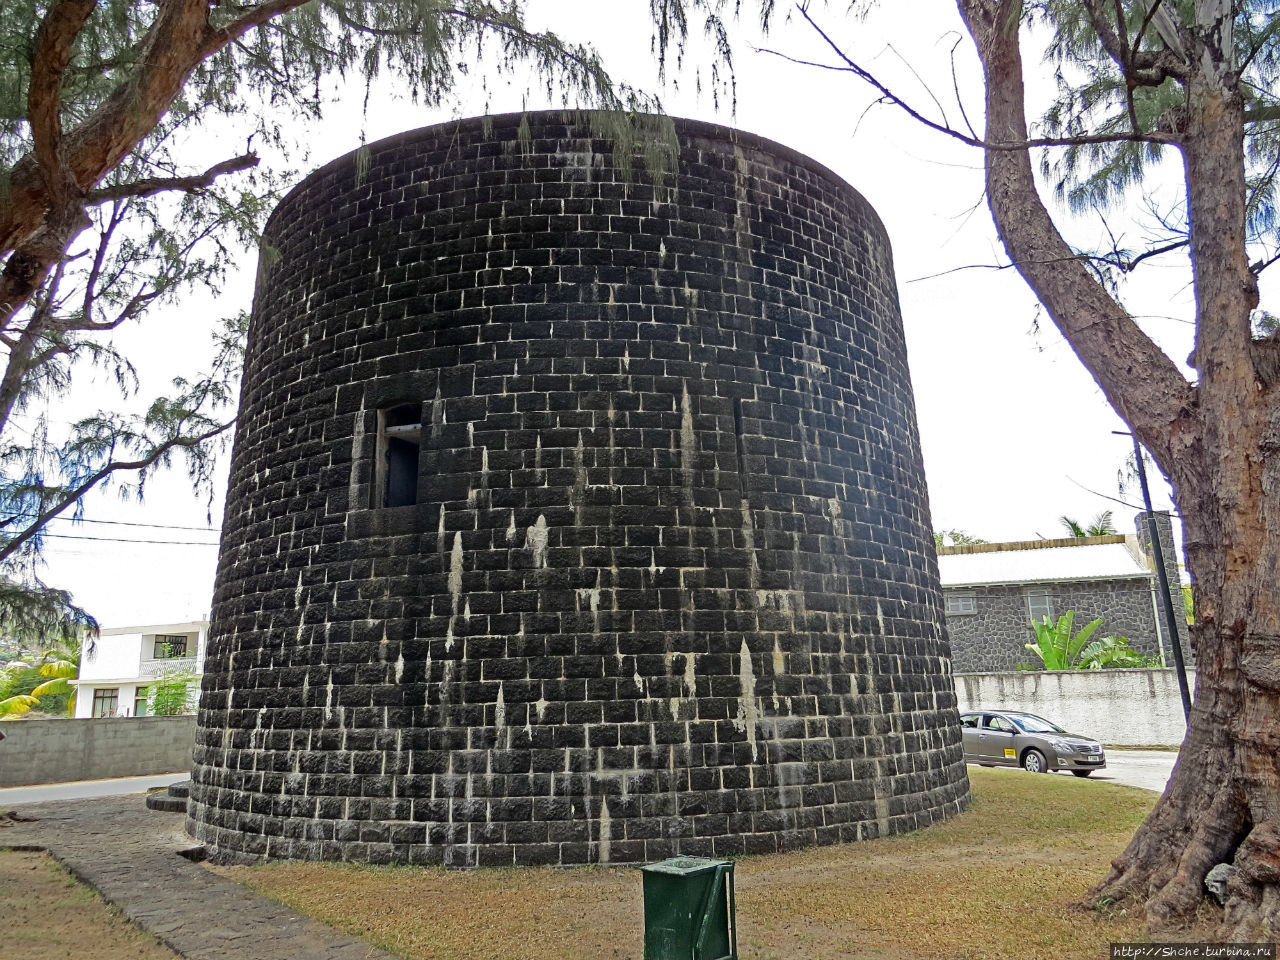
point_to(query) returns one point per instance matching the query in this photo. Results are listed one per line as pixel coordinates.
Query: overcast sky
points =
(1015, 432)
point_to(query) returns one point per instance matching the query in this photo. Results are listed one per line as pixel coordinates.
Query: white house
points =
(119, 665)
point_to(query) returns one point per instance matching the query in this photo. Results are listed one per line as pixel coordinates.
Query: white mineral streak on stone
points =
(579, 482)
(440, 533)
(484, 465)
(328, 698)
(605, 829)
(358, 456)
(455, 571)
(297, 591)
(690, 679)
(749, 541)
(687, 439)
(535, 539)
(540, 706)
(591, 595)
(626, 357)
(880, 617)
(673, 703)
(466, 609)
(446, 694)
(882, 807)
(748, 713)
(500, 709)
(448, 636)
(779, 664)
(512, 532)
(437, 414)
(779, 600)
(400, 667)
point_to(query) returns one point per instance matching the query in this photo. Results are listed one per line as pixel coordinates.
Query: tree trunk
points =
(1219, 443)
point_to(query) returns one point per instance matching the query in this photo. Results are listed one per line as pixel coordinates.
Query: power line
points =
(172, 543)
(121, 523)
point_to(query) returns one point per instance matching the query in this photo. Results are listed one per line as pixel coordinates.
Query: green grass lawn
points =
(996, 883)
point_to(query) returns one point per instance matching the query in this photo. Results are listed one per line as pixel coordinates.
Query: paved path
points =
(1148, 769)
(129, 854)
(82, 789)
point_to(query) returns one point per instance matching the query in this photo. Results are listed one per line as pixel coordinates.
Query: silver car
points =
(1006, 738)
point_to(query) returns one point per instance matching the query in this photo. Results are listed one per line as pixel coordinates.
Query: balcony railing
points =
(155, 667)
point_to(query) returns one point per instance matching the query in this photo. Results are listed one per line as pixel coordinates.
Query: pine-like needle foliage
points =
(111, 205)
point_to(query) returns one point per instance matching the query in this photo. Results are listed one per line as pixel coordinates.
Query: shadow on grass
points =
(994, 883)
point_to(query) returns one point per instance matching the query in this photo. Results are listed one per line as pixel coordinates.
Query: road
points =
(82, 789)
(1145, 769)
(1148, 769)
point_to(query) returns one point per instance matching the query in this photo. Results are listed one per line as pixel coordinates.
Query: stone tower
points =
(568, 523)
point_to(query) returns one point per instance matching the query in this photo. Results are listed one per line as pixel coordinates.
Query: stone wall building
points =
(995, 591)
(572, 523)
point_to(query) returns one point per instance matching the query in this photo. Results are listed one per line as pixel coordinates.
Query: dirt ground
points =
(996, 883)
(49, 915)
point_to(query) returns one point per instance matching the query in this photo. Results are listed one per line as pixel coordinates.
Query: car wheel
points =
(1082, 773)
(1033, 761)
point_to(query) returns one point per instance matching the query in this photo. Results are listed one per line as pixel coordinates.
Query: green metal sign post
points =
(689, 910)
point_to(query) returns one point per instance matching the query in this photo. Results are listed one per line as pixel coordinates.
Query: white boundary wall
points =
(1123, 707)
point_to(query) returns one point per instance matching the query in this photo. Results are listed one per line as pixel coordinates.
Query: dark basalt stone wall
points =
(669, 584)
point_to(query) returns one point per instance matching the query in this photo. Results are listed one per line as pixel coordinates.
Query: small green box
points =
(689, 910)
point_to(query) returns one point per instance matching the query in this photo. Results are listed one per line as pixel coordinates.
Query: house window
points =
(399, 440)
(105, 701)
(170, 645)
(1039, 605)
(961, 603)
(140, 702)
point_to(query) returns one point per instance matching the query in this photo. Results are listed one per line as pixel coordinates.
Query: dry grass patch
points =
(995, 883)
(46, 914)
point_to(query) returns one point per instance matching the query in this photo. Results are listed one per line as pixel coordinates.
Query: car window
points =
(1030, 723)
(969, 720)
(998, 723)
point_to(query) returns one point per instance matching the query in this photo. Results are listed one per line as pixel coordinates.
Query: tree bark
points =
(1219, 443)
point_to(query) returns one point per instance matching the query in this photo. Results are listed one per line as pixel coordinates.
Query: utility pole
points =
(1157, 554)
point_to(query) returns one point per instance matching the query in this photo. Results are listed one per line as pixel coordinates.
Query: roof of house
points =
(1042, 561)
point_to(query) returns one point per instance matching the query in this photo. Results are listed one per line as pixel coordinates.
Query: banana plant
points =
(1056, 646)
(1111, 651)
(21, 688)
(14, 702)
(61, 671)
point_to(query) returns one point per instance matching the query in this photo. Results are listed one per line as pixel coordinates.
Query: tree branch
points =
(154, 185)
(1257, 267)
(115, 466)
(1021, 144)
(1103, 335)
(218, 37)
(54, 46)
(1263, 113)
